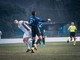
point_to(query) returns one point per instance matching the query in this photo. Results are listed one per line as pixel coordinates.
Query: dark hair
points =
(33, 13)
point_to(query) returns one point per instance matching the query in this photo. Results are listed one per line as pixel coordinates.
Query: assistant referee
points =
(72, 29)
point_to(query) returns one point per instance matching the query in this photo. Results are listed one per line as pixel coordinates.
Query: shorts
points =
(27, 34)
(72, 34)
(35, 31)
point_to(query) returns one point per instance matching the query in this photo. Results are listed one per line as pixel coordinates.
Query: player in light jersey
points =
(24, 26)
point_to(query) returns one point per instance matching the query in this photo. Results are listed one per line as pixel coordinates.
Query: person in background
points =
(72, 29)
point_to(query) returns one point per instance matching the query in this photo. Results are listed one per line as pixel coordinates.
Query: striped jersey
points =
(23, 25)
(34, 21)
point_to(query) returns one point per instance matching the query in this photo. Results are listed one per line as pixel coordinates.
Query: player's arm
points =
(30, 21)
(69, 28)
(46, 20)
(75, 28)
(26, 22)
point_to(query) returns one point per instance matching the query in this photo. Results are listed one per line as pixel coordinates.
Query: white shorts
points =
(27, 34)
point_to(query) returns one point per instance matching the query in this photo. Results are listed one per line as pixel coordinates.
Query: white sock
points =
(30, 43)
(27, 45)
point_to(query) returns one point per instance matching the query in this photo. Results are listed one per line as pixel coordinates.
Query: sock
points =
(37, 41)
(40, 41)
(30, 43)
(33, 42)
(71, 39)
(27, 45)
(44, 41)
(74, 42)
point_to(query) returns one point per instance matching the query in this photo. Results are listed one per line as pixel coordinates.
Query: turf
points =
(52, 51)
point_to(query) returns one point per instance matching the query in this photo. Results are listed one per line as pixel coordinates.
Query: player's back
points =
(34, 21)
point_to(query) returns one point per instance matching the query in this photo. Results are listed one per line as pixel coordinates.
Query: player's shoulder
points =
(31, 17)
(70, 26)
(20, 21)
(37, 17)
(74, 26)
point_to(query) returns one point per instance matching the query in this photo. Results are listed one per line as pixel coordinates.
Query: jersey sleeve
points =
(69, 27)
(30, 20)
(39, 20)
(26, 22)
(75, 28)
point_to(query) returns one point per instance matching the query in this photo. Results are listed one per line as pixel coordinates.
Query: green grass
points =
(52, 51)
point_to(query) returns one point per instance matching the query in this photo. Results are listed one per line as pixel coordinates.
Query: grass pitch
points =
(52, 51)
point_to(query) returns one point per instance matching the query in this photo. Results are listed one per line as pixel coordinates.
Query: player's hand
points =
(49, 19)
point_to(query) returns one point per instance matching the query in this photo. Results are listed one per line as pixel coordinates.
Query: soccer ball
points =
(49, 19)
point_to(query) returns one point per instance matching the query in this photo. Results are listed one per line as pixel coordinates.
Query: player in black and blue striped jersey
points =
(34, 23)
(42, 31)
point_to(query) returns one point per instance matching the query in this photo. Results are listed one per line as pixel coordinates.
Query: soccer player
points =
(42, 31)
(24, 26)
(34, 22)
(72, 28)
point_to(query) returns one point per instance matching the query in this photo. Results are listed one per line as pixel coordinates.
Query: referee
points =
(72, 29)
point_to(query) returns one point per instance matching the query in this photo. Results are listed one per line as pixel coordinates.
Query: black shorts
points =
(72, 34)
(35, 31)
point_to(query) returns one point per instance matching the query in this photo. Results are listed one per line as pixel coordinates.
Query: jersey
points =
(23, 25)
(72, 28)
(41, 27)
(34, 21)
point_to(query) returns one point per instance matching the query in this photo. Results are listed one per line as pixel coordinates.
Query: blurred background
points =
(62, 12)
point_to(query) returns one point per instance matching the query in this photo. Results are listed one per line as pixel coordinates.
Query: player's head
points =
(72, 23)
(33, 13)
(16, 21)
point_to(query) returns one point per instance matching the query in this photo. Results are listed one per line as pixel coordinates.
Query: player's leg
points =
(25, 40)
(43, 41)
(74, 39)
(26, 37)
(43, 38)
(68, 39)
(38, 42)
(39, 34)
(33, 40)
(30, 43)
(71, 35)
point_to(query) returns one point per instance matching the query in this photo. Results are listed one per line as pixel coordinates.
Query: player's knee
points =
(40, 37)
(25, 39)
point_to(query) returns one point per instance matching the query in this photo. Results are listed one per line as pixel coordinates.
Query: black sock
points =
(43, 40)
(37, 41)
(33, 42)
(40, 41)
